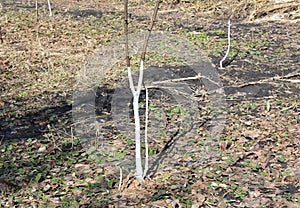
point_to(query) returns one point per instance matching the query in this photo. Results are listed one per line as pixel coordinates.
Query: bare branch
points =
(121, 177)
(126, 32)
(150, 29)
(1, 38)
(276, 78)
(197, 77)
(36, 11)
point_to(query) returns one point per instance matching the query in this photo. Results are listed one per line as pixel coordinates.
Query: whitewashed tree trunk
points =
(136, 95)
(228, 47)
(50, 10)
(146, 135)
(139, 175)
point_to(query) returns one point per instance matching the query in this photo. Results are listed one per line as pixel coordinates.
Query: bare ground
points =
(43, 163)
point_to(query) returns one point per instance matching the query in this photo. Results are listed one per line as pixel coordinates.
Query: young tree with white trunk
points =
(140, 173)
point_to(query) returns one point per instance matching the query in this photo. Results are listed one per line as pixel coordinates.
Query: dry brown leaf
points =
(253, 134)
(82, 168)
(42, 149)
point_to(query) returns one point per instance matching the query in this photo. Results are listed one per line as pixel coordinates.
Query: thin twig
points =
(121, 177)
(38, 28)
(292, 80)
(143, 56)
(276, 78)
(1, 38)
(126, 32)
(72, 138)
(36, 11)
(197, 77)
(179, 79)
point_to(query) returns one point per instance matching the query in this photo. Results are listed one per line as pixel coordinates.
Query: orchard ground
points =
(43, 163)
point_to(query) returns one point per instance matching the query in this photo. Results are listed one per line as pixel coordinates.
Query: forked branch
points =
(140, 174)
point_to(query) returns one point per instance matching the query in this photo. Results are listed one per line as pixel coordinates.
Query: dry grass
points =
(246, 9)
(37, 58)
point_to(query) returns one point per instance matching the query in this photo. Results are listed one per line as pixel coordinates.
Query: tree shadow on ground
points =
(22, 135)
(33, 124)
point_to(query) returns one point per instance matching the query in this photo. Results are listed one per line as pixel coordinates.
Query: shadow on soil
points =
(34, 124)
(21, 161)
(30, 5)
